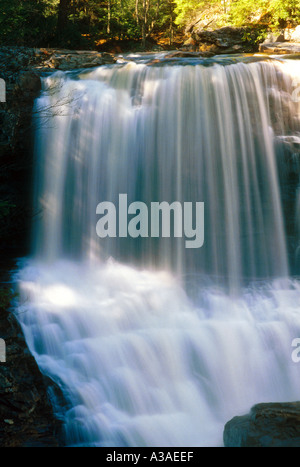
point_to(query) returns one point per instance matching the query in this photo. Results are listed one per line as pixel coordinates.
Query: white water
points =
(152, 344)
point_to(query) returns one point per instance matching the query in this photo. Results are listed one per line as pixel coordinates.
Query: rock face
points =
(226, 40)
(22, 86)
(292, 34)
(26, 417)
(283, 35)
(14, 59)
(267, 425)
(229, 40)
(286, 41)
(71, 60)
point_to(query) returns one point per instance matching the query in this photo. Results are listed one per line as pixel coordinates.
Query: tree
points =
(238, 12)
(24, 22)
(148, 13)
(63, 12)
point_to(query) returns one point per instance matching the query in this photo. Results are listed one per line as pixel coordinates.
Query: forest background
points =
(96, 24)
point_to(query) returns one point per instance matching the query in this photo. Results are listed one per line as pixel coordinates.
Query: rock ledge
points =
(267, 425)
(280, 48)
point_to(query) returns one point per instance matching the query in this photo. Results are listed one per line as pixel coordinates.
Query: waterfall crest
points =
(165, 134)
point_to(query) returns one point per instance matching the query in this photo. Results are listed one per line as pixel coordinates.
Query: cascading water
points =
(153, 343)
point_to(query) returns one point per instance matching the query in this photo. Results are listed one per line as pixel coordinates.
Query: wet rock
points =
(183, 54)
(279, 48)
(26, 416)
(16, 59)
(70, 60)
(28, 83)
(267, 425)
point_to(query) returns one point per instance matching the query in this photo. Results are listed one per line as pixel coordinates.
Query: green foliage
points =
(270, 12)
(188, 11)
(255, 36)
(81, 23)
(285, 10)
(239, 12)
(26, 22)
(87, 23)
(247, 11)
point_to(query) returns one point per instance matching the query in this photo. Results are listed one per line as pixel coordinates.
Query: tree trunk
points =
(63, 10)
(171, 30)
(137, 11)
(145, 22)
(108, 16)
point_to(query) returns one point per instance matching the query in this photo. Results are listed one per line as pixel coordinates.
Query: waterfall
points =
(153, 343)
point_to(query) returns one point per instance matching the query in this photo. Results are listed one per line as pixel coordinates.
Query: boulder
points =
(183, 54)
(28, 83)
(295, 35)
(280, 48)
(227, 40)
(267, 425)
(73, 60)
(26, 415)
(273, 37)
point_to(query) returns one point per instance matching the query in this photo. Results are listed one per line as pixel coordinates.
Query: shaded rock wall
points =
(26, 417)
